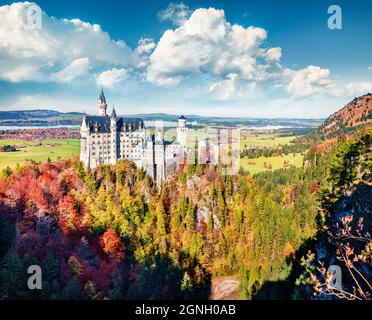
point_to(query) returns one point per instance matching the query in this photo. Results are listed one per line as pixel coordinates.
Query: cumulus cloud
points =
(273, 54)
(178, 13)
(42, 73)
(111, 77)
(308, 81)
(46, 101)
(145, 46)
(314, 80)
(23, 73)
(358, 88)
(76, 68)
(58, 47)
(232, 89)
(202, 46)
(207, 44)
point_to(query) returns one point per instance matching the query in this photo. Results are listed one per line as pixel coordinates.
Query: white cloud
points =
(58, 47)
(274, 54)
(203, 47)
(76, 68)
(232, 89)
(314, 80)
(358, 88)
(207, 44)
(41, 101)
(309, 81)
(111, 77)
(23, 73)
(145, 46)
(178, 13)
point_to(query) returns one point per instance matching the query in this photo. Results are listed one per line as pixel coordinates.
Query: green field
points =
(256, 165)
(264, 140)
(38, 151)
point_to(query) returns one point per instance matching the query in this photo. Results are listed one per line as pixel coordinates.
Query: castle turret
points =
(102, 105)
(181, 122)
(182, 131)
(114, 137)
(113, 115)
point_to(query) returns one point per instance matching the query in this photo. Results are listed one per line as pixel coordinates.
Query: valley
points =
(30, 145)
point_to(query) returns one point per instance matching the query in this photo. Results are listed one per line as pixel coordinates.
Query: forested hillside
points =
(112, 234)
(345, 194)
(347, 120)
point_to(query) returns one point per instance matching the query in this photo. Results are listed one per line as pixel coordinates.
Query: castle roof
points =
(101, 124)
(102, 96)
(113, 113)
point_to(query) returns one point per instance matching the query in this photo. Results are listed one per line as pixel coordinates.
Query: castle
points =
(107, 139)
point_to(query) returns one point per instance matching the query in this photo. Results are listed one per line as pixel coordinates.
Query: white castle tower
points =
(114, 137)
(182, 131)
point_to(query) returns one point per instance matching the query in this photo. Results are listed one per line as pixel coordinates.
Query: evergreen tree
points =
(190, 217)
(160, 219)
(116, 292)
(12, 276)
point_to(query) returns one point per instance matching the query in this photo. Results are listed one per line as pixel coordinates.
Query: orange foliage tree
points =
(112, 245)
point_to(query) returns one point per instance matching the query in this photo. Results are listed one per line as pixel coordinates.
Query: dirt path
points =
(224, 288)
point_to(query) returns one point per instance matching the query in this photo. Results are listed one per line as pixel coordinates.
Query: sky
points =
(251, 58)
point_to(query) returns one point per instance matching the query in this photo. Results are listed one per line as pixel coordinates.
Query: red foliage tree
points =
(313, 186)
(112, 245)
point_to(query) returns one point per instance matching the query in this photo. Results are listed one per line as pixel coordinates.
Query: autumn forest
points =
(111, 233)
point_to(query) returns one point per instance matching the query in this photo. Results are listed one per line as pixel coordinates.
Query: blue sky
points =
(226, 58)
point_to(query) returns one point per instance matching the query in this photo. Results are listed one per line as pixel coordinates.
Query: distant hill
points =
(35, 114)
(353, 116)
(40, 117)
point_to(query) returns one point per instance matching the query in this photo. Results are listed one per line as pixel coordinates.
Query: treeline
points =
(7, 148)
(256, 152)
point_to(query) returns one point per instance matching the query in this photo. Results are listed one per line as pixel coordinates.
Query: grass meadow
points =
(38, 150)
